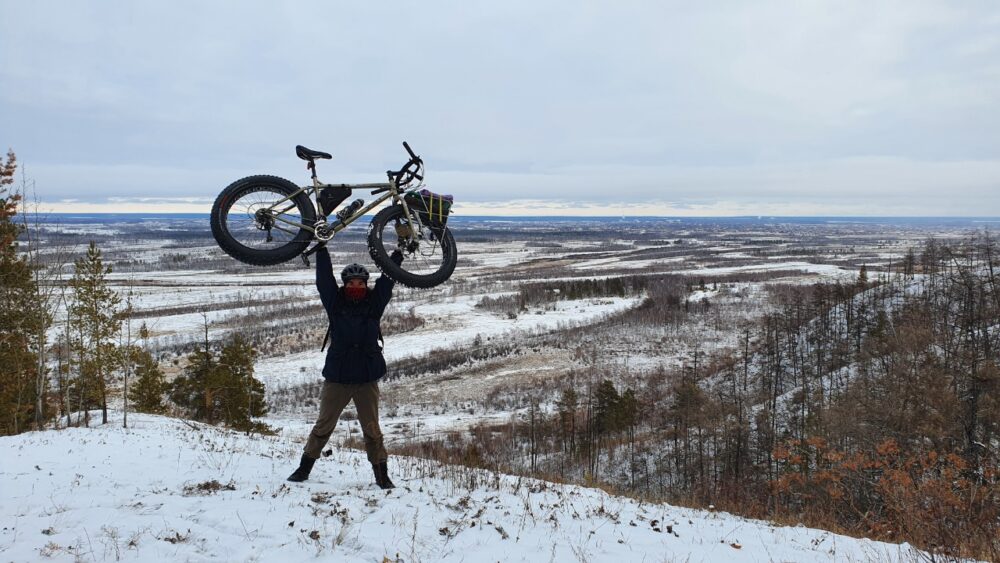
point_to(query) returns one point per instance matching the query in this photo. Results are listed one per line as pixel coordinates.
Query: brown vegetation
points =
(868, 408)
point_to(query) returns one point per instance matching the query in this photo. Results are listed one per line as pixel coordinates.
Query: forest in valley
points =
(869, 408)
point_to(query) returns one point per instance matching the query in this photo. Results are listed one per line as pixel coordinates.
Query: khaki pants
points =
(332, 400)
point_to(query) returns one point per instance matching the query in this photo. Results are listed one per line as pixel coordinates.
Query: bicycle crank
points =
(324, 232)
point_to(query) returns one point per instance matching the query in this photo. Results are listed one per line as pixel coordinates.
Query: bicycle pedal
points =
(305, 260)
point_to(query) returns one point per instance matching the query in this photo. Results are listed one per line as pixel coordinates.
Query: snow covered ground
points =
(167, 490)
(828, 271)
(452, 322)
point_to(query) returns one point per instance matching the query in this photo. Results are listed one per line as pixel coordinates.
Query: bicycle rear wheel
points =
(428, 262)
(251, 226)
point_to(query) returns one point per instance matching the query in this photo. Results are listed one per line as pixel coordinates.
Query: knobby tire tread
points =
(381, 257)
(261, 257)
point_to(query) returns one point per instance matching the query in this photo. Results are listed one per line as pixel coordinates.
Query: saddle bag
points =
(433, 209)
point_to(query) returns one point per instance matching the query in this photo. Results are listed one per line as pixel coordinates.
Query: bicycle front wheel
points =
(428, 261)
(255, 220)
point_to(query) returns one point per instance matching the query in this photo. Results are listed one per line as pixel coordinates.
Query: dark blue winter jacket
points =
(354, 355)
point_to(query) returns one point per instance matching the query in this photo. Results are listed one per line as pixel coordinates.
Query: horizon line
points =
(578, 216)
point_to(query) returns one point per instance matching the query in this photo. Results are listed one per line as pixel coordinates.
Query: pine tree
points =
(195, 389)
(244, 393)
(628, 419)
(21, 319)
(148, 387)
(222, 389)
(96, 314)
(607, 408)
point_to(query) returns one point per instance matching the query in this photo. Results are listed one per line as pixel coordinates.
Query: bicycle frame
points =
(392, 192)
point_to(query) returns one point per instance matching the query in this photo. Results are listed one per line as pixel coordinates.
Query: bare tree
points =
(47, 269)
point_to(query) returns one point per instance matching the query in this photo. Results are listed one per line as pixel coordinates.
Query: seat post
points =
(312, 168)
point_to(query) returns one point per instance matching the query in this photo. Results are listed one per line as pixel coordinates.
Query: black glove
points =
(396, 257)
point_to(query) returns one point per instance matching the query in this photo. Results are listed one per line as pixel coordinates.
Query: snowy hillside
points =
(168, 490)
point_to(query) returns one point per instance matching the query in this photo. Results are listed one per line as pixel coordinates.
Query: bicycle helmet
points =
(354, 271)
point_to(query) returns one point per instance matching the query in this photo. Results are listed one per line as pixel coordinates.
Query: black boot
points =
(302, 473)
(382, 475)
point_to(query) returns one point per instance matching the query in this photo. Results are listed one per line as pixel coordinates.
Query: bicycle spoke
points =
(283, 229)
(285, 210)
(253, 224)
(423, 257)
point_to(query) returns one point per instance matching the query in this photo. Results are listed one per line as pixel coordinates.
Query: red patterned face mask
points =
(356, 293)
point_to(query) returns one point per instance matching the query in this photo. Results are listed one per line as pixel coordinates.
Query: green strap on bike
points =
(440, 211)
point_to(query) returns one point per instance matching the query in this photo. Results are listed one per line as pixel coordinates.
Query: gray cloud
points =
(879, 108)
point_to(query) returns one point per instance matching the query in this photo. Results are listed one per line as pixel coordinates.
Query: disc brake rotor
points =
(407, 241)
(403, 230)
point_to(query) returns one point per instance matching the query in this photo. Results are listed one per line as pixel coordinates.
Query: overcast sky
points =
(663, 108)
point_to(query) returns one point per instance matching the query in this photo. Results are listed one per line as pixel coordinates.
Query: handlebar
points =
(410, 171)
(409, 150)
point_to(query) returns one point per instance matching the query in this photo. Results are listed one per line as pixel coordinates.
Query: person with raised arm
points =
(354, 361)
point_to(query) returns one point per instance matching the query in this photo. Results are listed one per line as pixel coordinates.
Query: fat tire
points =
(381, 258)
(270, 257)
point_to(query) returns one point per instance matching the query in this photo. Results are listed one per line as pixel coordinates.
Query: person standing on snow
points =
(354, 362)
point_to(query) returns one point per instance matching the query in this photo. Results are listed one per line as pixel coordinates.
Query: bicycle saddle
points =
(309, 154)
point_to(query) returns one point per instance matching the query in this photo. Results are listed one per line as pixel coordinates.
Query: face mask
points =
(356, 293)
